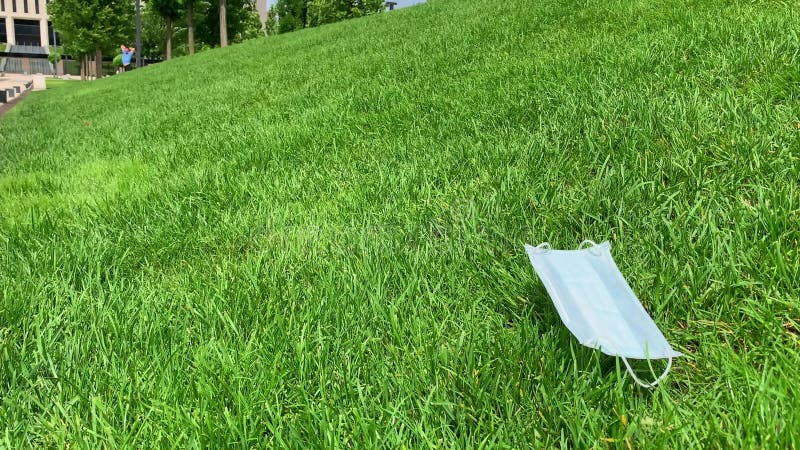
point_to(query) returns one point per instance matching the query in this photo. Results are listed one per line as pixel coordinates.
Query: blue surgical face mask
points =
(598, 306)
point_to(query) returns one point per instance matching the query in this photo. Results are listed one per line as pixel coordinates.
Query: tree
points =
(328, 11)
(153, 32)
(241, 19)
(189, 5)
(297, 14)
(92, 26)
(292, 15)
(271, 24)
(202, 25)
(223, 24)
(248, 24)
(169, 10)
(55, 58)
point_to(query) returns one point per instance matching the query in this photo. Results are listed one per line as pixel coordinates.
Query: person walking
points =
(127, 55)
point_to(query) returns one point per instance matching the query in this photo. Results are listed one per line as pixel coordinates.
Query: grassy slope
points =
(317, 237)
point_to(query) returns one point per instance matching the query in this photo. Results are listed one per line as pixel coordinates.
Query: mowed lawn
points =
(316, 239)
(56, 83)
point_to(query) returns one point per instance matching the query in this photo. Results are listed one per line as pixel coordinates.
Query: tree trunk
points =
(190, 25)
(168, 45)
(98, 61)
(223, 25)
(83, 67)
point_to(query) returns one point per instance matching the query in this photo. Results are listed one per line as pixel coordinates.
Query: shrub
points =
(54, 56)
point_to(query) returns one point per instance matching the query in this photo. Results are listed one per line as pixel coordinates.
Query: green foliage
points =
(327, 11)
(85, 25)
(54, 55)
(153, 31)
(296, 14)
(271, 24)
(185, 3)
(117, 60)
(292, 15)
(242, 19)
(169, 10)
(248, 26)
(172, 9)
(316, 240)
(243, 24)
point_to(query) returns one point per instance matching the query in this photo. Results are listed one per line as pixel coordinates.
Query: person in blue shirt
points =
(127, 55)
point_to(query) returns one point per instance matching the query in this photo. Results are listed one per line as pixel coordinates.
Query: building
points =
(25, 22)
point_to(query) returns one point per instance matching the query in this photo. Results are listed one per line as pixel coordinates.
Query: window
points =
(13, 5)
(36, 6)
(25, 6)
(27, 32)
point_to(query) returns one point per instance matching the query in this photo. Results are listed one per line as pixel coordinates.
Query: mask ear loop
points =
(642, 383)
(593, 249)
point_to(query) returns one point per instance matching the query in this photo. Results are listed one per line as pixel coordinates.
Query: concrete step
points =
(10, 89)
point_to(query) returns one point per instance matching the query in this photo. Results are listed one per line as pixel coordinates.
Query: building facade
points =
(25, 22)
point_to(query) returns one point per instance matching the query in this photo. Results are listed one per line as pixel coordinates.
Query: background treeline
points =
(169, 27)
(290, 15)
(160, 17)
(91, 28)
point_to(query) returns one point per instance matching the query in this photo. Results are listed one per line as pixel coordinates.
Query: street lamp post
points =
(56, 61)
(138, 33)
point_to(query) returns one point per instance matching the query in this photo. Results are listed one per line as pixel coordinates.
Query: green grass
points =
(58, 83)
(316, 239)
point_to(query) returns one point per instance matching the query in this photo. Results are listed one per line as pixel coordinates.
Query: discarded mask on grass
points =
(598, 306)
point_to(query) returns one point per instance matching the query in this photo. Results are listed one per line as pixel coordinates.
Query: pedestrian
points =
(127, 55)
